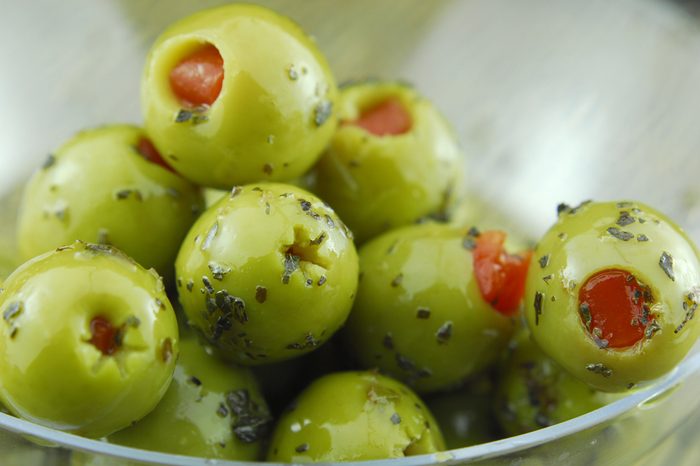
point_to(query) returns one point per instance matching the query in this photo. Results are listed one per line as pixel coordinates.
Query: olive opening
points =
(389, 117)
(615, 308)
(197, 79)
(104, 336)
(305, 248)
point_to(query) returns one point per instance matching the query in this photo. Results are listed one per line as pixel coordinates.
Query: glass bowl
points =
(552, 102)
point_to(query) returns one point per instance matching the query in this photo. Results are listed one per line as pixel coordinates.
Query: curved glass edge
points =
(497, 449)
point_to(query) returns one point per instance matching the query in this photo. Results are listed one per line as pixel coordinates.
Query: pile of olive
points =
(250, 327)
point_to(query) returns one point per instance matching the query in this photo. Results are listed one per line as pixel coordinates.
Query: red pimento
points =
(615, 308)
(105, 336)
(388, 118)
(500, 276)
(146, 148)
(197, 79)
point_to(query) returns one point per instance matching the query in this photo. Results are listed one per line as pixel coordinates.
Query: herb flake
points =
(539, 297)
(444, 333)
(260, 294)
(218, 271)
(12, 311)
(620, 234)
(625, 219)
(599, 368)
(253, 421)
(322, 112)
(666, 264)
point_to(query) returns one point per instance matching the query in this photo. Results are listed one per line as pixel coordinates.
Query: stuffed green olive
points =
(612, 292)
(434, 303)
(392, 161)
(238, 94)
(88, 340)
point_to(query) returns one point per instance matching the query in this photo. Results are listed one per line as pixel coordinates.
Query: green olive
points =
(273, 115)
(212, 410)
(611, 293)
(419, 314)
(377, 183)
(88, 341)
(268, 273)
(354, 416)
(534, 391)
(101, 187)
(465, 417)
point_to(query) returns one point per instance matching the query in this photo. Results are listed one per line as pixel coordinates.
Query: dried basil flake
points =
(12, 311)
(218, 271)
(444, 333)
(260, 294)
(539, 297)
(252, 421)
(620, 234)
(666, 264)
(302, 448)
(625, 219)
(322, 112)
(599, 368)
(291, 264)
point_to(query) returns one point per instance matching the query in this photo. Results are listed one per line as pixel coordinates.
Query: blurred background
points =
(553, 101)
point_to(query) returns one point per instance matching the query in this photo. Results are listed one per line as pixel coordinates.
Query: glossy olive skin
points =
(97, 187)
(198, 414)
(354, 416)
(268, 273)
(52, 373)
(377, 183)
(276, 109)
(419, 315)
(580, 244)
(466, 417)
(534, 392)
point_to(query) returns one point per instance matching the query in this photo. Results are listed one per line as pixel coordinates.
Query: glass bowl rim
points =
(495, 449)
